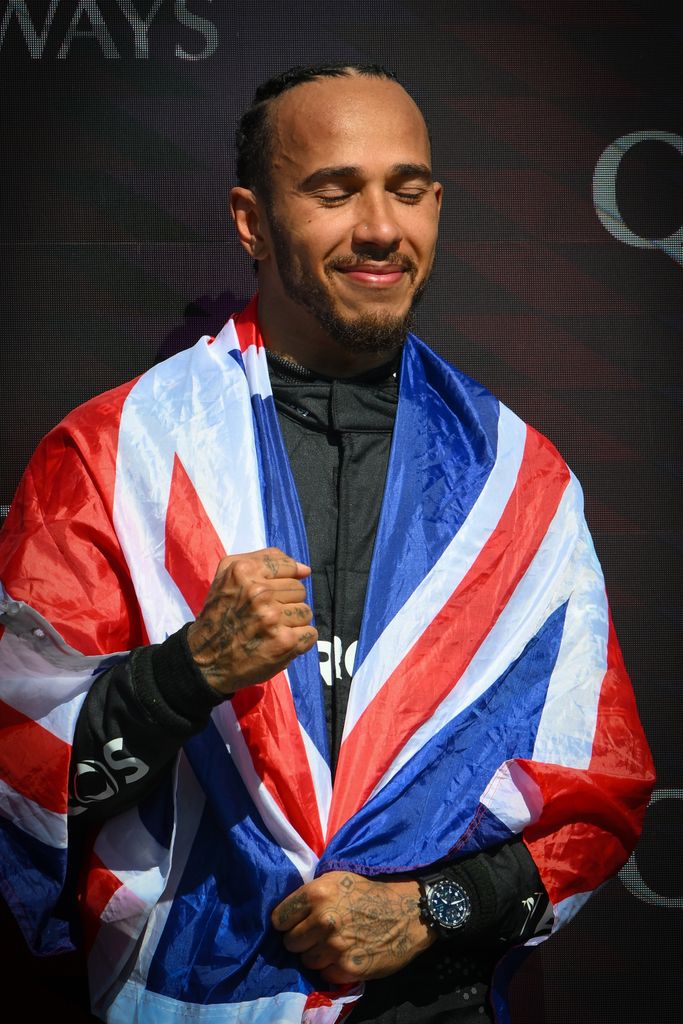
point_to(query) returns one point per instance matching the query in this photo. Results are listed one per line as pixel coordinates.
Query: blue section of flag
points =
(31, 881)
(218, 945)
(443, 448)
(237, 356)
(405, 826)
(285, 530)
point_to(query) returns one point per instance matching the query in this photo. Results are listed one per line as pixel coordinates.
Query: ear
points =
(249, 221)
(438, 194)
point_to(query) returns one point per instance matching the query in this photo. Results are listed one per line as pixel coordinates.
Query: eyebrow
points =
(351, 171)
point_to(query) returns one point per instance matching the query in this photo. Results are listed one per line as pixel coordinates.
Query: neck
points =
(290, 372)
(294, 334)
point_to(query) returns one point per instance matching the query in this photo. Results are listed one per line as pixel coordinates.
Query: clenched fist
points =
(255, 620)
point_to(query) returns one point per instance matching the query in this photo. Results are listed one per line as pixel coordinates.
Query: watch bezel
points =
(432, 888)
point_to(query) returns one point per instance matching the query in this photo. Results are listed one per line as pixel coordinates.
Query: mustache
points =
(395, 259)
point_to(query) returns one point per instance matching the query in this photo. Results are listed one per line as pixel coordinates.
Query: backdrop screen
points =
(557, 131)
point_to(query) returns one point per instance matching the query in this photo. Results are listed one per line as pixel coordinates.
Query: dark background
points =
(116, 249)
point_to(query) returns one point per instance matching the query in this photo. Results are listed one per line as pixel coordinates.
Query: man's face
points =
(353, 212)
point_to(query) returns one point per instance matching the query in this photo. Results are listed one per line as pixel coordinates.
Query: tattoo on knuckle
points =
(293, 906)
(271, 564)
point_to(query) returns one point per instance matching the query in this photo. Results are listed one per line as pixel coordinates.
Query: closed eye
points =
(337, 198)
(410, 197)
(334, 198)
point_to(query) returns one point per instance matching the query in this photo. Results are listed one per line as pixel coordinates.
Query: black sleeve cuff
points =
(509, 903)
(171, 687)
(475, 876)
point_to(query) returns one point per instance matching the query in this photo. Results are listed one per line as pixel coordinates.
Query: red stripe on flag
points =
(246, 325)
(266, 711)
(101, 886)
(33, 761)
(572, 853)
(437, 660)
(270, 727)
(193, 548)
(59, 551)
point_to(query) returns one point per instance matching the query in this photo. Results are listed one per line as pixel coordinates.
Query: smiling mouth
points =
(382, 276)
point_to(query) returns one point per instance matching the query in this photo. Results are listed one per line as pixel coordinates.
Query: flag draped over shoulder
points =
(489, 695)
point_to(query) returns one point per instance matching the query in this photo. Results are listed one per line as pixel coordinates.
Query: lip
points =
(377, 277)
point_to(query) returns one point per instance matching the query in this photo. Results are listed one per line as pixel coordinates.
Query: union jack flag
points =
(489, 696)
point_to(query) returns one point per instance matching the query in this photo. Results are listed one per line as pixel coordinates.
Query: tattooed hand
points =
(254, 620)
(352, 928)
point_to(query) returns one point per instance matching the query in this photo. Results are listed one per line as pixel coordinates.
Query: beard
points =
(375, 332)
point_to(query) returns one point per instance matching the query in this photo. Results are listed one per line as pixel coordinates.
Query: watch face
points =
(448, 903)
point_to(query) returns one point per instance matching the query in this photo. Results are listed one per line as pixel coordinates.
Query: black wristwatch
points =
(445, 905)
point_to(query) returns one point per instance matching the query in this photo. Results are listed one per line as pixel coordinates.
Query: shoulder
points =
(478, 408)
(100, 413)
(92, 427)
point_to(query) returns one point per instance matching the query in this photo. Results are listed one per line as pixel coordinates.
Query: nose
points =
(377, 231)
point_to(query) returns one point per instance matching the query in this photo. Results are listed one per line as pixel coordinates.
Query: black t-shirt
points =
(338, 437)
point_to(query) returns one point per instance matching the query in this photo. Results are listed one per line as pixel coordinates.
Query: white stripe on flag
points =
(542, 589)
(440, 582)
(42, 677)
(48, 827)
(144, 465)
(116, 939)
(256, 369)
(285, 835)
(135, 1004)
(567, 726)
(565, 910)
(218, 449)
(189, 803)
(513, 797)
(197, 405)
(322, 780)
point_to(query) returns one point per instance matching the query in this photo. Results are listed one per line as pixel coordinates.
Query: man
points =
(476, 721)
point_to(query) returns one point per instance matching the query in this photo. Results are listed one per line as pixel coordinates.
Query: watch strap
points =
(474, 877)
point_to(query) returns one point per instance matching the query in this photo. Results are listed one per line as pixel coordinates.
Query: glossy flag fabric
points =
(489, 695)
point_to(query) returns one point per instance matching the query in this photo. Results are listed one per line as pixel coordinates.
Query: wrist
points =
(445, 905)
(205, 664)
(409, 892)
(173, 690)
(459, 900)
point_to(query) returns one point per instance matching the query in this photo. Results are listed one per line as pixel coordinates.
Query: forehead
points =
(355, 120)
